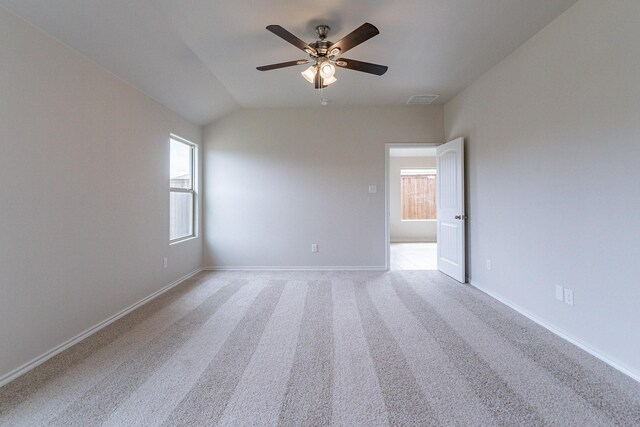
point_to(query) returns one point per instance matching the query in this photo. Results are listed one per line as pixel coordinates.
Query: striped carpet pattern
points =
(400, 348)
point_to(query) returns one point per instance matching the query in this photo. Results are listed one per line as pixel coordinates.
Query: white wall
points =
(84, 216)
(552, 144)
(278, 180)
(407, 231)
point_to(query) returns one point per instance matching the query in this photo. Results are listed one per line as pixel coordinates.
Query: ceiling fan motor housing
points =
(321, 46)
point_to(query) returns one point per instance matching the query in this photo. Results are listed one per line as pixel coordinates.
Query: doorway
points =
(410, 206)
(414, 256)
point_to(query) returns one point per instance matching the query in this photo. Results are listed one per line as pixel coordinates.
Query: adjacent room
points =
(352, 213)
(412, 207)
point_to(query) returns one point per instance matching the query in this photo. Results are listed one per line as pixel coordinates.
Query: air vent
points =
(422, 99)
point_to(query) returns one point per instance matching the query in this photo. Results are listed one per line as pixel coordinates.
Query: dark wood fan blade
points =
(286, 35)
(283, 65)
(365, 67)
(354, 38)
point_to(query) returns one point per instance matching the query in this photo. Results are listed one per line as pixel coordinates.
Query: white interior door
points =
(450, 209)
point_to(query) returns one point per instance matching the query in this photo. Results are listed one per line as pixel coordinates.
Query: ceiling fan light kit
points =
(309, 74)
(327, 70)
(323, 55)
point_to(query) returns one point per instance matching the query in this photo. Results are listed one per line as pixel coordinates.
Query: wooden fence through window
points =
(418, 196)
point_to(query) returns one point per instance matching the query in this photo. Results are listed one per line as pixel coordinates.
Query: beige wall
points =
(407, 231)
(552, 146)
(278, 180)
(84, 213)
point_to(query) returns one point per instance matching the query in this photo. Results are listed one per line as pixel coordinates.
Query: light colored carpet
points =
(322, 348)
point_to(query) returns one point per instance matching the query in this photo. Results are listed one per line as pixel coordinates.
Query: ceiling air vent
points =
(422, 99)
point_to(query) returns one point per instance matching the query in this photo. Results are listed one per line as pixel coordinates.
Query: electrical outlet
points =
(314, 247)
(489, 265)
(568, 296)
(373, 189)
(165, 262)
(559, 293)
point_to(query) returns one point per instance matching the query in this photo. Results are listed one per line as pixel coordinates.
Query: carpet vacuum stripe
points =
(546, 392)
(328, 348)
(547, 396)
(112, 349)
(206, 401)
(601, 394)
(96, 404)
(357, 398)
(504, 403)
(153, 401)
(403, 397)
(431, 365)
(307, 401)
(259, 394)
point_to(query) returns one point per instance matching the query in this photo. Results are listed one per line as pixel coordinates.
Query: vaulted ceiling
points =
(198, 57)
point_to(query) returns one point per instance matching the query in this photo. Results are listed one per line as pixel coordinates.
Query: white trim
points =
(182, 239)
(295, 268)
(181, 139)
(413, 241)
(387, 211)
(417, 171)
(192, 190)
(7, 378)
(609, 361)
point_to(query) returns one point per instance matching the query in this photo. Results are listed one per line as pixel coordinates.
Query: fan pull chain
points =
(323, 101)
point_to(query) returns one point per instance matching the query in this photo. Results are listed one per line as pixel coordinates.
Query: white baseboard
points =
(5, 379)
(295, 268)
(413, 241)
(606, 359)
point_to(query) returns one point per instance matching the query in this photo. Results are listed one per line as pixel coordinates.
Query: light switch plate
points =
(559, 293)
(373, 189)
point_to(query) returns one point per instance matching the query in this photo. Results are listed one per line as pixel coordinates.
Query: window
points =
(418, 194)
(182, 198)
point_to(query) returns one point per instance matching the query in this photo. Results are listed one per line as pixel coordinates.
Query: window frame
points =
(193, 147)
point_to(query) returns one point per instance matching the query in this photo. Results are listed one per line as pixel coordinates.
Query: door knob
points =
(461, 217)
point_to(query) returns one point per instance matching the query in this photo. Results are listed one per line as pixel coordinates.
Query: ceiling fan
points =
(325, 55)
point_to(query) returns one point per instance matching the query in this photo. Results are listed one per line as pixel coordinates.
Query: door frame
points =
(387, 229)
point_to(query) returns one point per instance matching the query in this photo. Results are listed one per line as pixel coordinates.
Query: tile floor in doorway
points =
(413, 256)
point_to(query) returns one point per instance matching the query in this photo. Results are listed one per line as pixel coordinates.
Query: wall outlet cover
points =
(568, 296)
(559, 293)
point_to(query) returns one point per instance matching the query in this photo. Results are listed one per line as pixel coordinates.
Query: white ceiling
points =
(198, 57)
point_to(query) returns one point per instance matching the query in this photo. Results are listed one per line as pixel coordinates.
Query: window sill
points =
(182, 239)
